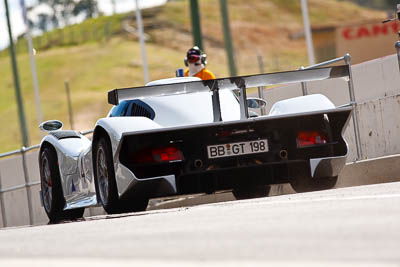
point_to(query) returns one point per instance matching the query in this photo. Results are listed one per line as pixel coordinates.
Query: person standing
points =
(196, 61)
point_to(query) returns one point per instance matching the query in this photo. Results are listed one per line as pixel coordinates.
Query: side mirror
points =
(253, 102)
(49, 126)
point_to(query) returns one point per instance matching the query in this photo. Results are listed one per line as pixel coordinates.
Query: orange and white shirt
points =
(204, 74)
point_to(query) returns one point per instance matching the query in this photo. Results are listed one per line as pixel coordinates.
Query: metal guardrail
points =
(13, 188)
(347, 59)
(27, 184)
(18, 151)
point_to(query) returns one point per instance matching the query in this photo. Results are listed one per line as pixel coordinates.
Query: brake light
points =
(310, 138)
(154, 155)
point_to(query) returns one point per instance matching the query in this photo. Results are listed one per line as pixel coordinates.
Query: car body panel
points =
(301, 104)
(116, 126)
(71, 153)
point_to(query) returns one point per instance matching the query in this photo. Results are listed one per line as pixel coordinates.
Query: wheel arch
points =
(112, 203)
(43, 146)
(98, 133)
(47, 144)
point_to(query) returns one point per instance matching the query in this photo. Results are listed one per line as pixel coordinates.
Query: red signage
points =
(367, 31)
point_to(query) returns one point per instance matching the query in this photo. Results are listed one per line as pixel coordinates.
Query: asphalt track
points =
(357, 226)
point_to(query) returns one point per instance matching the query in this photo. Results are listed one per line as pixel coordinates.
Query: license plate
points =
(237, 149)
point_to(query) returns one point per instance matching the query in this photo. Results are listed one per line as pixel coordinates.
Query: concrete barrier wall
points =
(11, 172)
(15, 202)
(380, 126)
(16, 208)
(377, 91)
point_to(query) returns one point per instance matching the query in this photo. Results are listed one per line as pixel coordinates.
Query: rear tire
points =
(308, 184)
(51, 190)
(134, 204)
(106, 186)
(251, 192)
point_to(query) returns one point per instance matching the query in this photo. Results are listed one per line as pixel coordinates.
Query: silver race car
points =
(184, 136)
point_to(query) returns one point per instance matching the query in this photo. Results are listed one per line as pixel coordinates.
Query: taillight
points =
(311, 138)
(157, 155)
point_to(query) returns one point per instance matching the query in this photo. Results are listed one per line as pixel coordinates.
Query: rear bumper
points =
(327, 167)
(225, 178)
(129, 185)
(198, 171)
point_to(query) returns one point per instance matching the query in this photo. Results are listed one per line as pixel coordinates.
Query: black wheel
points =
(51, 190)
(251, 192)
(106, 186)
(308, 184)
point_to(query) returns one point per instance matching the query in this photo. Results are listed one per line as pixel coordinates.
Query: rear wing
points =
(231, 83)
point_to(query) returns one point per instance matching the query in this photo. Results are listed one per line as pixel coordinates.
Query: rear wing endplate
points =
(231, 83)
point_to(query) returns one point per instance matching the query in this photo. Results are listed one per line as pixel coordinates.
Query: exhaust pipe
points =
(198, 163)
(283, 154)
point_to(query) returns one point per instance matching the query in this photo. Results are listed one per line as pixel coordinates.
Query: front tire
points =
(51, 190)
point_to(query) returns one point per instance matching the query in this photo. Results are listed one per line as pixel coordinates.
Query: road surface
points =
(357, 226)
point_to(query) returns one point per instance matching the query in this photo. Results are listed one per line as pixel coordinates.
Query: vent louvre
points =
(65, 134)
(138, 110)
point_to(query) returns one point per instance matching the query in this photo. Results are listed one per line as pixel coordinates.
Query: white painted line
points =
(61, 262)
(289, 201)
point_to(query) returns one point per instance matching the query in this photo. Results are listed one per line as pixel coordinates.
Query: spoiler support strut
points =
(244, 111)
(216, 103)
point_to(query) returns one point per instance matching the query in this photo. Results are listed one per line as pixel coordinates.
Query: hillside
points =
(95, 65)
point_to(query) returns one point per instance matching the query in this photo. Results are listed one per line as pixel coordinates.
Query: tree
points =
(43, 22)
(114, 6)
(62, 11)
(88, 7)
